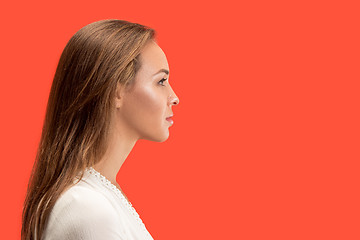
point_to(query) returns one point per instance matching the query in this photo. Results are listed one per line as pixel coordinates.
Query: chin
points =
(163, 139)
(159, 138)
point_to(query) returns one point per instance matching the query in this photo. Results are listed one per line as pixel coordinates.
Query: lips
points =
(170, 119)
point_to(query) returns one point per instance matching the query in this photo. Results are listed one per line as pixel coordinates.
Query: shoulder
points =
(82, 197)
(83, 213)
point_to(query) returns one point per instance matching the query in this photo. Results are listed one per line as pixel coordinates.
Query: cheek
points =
(148, 101)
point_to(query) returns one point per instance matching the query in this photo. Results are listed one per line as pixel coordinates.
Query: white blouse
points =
(94, 209)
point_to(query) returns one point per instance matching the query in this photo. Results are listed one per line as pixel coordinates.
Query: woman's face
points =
(142, 111)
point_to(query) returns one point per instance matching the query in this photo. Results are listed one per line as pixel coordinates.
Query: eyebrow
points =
(162, 70)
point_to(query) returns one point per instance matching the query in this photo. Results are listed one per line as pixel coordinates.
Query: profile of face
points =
(142, 112)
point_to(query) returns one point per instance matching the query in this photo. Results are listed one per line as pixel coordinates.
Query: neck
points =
(110, 164)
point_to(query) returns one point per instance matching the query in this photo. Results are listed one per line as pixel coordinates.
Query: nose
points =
(174, 100)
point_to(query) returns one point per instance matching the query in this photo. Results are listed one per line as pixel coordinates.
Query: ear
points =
(119, 95)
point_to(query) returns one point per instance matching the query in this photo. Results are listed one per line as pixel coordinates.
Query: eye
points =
(162, 80)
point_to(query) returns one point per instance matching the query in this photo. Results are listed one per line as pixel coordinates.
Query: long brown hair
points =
(76, 127)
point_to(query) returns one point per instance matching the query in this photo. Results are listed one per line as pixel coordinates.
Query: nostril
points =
(174, 101)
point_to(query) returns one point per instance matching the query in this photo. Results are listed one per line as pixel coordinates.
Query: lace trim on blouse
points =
(112, 187)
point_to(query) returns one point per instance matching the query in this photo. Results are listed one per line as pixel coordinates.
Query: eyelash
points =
(163, 80)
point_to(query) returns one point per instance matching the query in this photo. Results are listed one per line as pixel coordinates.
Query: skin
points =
(140, 113)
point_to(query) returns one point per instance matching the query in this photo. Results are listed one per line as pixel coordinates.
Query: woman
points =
(110, 89)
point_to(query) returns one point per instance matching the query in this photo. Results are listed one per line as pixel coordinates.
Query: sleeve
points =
(83, 214)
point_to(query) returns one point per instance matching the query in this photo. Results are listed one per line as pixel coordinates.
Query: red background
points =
(265, 141)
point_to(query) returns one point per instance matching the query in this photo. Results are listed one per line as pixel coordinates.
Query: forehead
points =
(152, 58)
